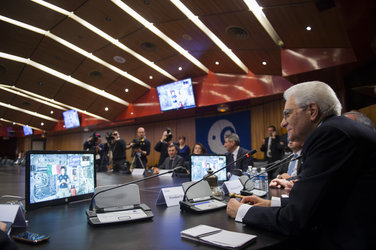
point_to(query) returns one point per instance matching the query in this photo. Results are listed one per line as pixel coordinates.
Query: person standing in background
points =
(184, 149)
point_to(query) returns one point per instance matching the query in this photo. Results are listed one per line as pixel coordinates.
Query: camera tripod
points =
(137, 155)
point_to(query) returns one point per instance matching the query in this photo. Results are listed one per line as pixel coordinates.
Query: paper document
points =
(218, 237)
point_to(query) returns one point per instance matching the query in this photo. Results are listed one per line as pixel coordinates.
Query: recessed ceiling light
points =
(14, 123)
(119, 59)
(180, 68)
(42, 123)
(264, 63)
(308, 28)
(126, 90)
(106, 108)
(51, 112)
(216, 63)
(150, 77)
(131, 113)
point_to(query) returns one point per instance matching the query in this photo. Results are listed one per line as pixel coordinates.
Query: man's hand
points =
(256, 201)
(156, 171)
(233, 207)
(3, 226)
(279, 183)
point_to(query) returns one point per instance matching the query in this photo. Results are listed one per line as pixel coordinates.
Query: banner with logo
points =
(211, 131)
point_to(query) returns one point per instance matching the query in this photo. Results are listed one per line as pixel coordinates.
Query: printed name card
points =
(170, 196)
(161, 171)
(233, 186)
(138, 171)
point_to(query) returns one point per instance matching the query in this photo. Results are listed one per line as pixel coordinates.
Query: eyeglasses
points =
(115, 133)
(288, 112)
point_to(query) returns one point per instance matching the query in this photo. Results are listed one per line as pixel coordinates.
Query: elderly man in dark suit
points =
(234, 152)
(329, 206)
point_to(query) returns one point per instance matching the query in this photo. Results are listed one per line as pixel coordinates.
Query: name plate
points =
(233, 186)
(161, 171)
(170, 196)
(138, 171)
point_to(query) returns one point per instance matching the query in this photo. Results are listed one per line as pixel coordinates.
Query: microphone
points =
(268, 167)
(248, 154)
(132, 182)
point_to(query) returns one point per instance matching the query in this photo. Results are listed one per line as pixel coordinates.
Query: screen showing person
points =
(56, 176)
(200, 165)
(176, 95)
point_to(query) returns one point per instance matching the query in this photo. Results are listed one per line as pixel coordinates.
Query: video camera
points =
(110, 138)
(137, 143)
(169, 135)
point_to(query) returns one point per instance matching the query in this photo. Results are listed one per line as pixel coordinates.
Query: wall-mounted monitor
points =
(71, 119)
(176, 95)
(200, 165)
(27, 130)
(58, 177)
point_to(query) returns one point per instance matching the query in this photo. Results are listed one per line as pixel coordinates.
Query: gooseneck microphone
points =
(132, 182)
(248, 154)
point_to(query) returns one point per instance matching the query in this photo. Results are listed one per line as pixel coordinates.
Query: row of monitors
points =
(58, 177)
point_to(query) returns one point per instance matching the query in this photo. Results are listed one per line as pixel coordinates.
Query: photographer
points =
(141, 149)
(119, 157)
(162, 145)
(94, 144)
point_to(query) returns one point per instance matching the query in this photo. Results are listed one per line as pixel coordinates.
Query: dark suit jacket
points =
(330, 206)
(285, 167)
(277, 150)
(179, 161)
(242, 164)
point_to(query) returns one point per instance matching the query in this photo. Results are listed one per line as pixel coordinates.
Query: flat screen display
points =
(71, 119)
(200, 165)
(57, 177)
(176, 95)
(27, 130)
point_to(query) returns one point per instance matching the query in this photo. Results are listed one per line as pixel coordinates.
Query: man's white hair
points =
(318, 92)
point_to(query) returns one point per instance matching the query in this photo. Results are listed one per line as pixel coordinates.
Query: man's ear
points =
(313, 110)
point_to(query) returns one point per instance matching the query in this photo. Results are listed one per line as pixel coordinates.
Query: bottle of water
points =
(256, 178)
(264, 180)
(249, 171)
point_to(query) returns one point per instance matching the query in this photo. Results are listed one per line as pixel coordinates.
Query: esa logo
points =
(217, 133)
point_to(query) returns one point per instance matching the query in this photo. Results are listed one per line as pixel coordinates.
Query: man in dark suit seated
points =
(329, 206)
(234, 152)
(172, 161)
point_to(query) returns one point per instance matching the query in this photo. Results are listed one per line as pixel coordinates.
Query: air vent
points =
(237, 32)
(149, 47)
(96, 75)
(26, 104)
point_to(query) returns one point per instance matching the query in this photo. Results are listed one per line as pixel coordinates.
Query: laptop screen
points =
(200, 165)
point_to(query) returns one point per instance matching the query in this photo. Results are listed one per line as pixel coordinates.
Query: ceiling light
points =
(180, 68)
(119, 59)
(308, 28)
(42, 123)
(150, 77)
(131, 113)
(14, 123)
(64, 77)
(159, 33)
(259, 14)
(20, 124)
(105, 36)
(106, 109)
(51, 112)
(223, 108)
(126, 90)
(210, 34)
(216, 63)
(264, 63)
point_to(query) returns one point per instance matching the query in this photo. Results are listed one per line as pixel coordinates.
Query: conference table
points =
(68, 228)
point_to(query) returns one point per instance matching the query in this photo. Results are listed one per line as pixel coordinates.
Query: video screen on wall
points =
(176, 95)
(71, 119)
(27, 130)
(54, 177)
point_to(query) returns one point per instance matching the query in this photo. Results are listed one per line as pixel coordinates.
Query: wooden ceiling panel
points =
(210, 57)
(25, 103)
(254, 58)
(46, 110)
(80, 36)
(68, 5)
(75, 96)
(39, 82)
(239, 31)
(187, 35)
(95, 74)
(290, 22)
(30, 13)
(10, 71)
(108, 53)
(144, 73)
(18, 41)
(98, 107)
(36, 122)
(148, 45)
(109, 18)
(214, 7)
(173, 63)
(17, 116)
(57, 56)
(3, 110)
(134, 90)
(155, 11)
(280, 3)
(6, 97)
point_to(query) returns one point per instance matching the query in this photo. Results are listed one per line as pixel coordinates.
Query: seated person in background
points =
(234, 152)
(359, 117)
(183, 148)
(291, 169)
(172, 161)
(198, 149)
(328, 208)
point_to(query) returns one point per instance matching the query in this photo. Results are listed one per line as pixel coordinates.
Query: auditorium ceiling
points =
(100, 56)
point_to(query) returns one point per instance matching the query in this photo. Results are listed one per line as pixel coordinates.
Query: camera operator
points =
(119, 157)
(141, 149)
(93, 143)
(162, 145)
